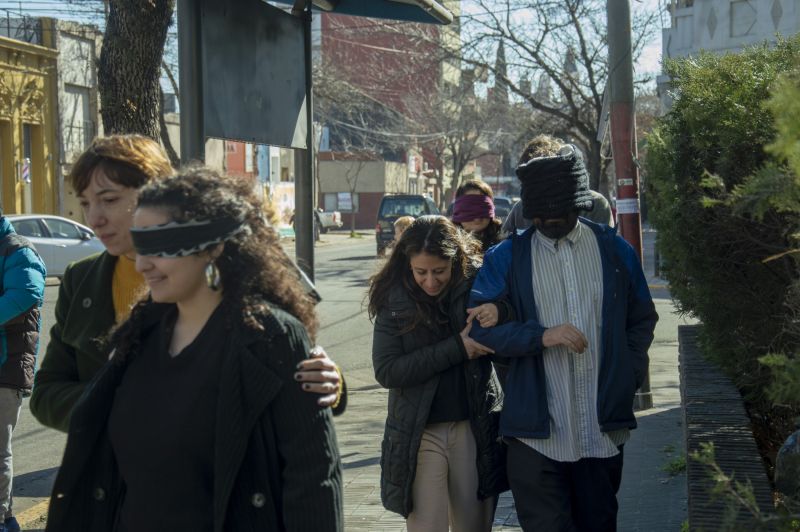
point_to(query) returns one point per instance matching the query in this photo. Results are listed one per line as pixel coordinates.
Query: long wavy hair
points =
(492, 233)
(434, 235)
(255, 272)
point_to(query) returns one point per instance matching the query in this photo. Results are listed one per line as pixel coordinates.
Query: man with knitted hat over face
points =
(578, 349)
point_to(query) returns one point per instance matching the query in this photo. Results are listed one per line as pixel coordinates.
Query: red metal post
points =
(623, 149)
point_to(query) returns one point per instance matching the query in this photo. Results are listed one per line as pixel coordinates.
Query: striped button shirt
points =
(568, 284)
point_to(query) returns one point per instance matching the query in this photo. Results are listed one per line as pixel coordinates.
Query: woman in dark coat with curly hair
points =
(196, 423)
(441, 463)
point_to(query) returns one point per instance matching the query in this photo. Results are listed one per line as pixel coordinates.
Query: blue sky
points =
(649, 62)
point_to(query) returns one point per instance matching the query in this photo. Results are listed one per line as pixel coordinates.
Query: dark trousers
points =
(555, 496)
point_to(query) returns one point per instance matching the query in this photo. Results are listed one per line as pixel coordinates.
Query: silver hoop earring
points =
(212, 276)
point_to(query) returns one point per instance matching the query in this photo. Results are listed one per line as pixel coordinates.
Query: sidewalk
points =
(650, 499)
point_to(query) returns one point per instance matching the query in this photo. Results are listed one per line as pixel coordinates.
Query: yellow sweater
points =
(127, 287)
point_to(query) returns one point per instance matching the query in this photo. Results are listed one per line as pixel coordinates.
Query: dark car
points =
(393, 207)
(502, 207)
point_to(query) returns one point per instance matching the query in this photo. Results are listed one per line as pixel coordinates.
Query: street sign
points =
(254, 79)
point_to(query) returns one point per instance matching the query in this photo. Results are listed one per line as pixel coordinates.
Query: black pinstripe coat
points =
(276, 462)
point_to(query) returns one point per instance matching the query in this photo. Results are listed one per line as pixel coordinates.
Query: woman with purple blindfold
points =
(473, 210)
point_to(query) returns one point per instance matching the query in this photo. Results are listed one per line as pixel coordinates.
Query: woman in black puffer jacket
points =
(440, 449)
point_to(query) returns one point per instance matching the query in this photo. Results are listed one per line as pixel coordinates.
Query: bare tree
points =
(559, 48)
(133, 56)
(362, 129)
(452, 125)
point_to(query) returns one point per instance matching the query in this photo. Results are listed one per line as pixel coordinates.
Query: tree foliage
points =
(557, 61)
(727, 208)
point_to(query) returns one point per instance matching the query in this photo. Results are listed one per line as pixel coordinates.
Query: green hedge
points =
(724, 195)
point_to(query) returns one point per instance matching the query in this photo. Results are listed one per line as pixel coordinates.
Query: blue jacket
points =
(629, 318)
(21, 295)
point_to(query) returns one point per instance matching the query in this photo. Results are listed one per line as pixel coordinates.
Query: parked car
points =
(59, 241)
(393, 207)
(502, 207)
(328, 220)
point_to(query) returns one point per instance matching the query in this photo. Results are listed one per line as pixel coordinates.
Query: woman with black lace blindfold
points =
(197, 422)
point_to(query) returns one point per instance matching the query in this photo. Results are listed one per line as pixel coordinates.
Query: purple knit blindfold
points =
(471, 207)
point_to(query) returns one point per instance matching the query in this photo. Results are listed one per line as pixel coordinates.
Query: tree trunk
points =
(129, 69)
(352, 213)
(594, 164)
(165, 140)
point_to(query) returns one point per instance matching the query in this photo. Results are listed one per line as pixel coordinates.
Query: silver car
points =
(58, 240)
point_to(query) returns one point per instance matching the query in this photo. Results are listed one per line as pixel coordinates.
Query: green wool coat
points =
(84, 316)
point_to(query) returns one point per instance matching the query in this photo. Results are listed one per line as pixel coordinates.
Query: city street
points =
(650, 497)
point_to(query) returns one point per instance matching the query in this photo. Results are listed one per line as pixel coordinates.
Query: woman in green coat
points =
(441, 463)
(97, 293)
(196, 422)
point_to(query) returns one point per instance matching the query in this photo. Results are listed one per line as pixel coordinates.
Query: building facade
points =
(721, 26)
(355, 186)
(28, 117)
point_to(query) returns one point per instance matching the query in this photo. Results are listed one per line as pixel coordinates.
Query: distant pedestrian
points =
(96, 293)
(22, 274)
(473, 210)
(400, 225)
(196, 423)
(546, 146)
(583, 324)
(441, 462)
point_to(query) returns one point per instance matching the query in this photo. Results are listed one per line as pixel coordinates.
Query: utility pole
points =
(193, 140)
(304, 161)
(623, 140)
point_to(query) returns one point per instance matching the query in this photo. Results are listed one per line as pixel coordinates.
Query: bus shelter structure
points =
(245, 74)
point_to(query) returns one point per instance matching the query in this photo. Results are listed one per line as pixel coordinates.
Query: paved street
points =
(650, 500)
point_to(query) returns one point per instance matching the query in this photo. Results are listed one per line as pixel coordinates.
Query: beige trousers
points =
(446, 484)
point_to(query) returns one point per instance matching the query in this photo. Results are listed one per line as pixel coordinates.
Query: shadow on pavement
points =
(649, 497)
(35, 484)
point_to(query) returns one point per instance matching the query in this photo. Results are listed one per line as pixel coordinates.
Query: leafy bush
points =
(725, 197)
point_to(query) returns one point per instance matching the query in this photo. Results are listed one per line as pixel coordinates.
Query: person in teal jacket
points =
(21, 295)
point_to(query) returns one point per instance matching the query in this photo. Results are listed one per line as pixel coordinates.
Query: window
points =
(403, 206)
(61, 229)
(340, 201)
(432, 208)
(29, 228)
(27, 141)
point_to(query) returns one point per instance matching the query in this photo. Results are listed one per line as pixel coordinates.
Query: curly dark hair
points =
(493, 233)
(434, 235)
(254, 270)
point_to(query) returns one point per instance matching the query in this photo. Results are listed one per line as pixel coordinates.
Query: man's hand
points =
(319, 374)
(566, 335)
(473, 348)
(486, 315)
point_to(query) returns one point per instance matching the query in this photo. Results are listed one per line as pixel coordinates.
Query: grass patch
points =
(675, 467)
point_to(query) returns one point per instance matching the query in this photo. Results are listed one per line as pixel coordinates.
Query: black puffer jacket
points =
(409, 364)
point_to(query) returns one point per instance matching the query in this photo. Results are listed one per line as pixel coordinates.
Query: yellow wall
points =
(27, 101)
